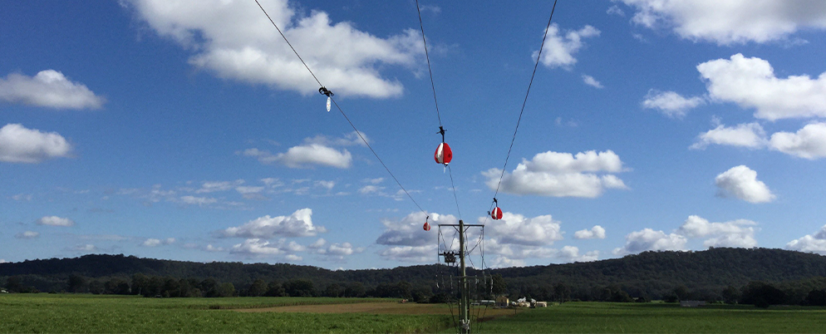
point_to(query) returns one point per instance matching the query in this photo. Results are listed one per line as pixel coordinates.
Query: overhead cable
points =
(325, 91)
(524, 102)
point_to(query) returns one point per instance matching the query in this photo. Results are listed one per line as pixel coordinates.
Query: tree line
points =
(711, 275)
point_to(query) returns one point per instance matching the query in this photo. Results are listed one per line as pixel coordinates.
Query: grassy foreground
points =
(44, 313)
(659, 318)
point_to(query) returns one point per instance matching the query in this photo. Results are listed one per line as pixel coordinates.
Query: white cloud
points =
(325, 184)
(736, 233)
(368, 189)
(201, 201)
(810, 243)
(211, 248)
(648, 239)
(615, 10)
(596, 232)
(670, 103)
(318, 243)
(299, 224)
(55, 221)
(350, 139)
(293, 257)
(520, 230)
(22, 145)
(339, 250)
(257, 247)
(302, 155)
(234, 40)
(808, 143)
(48, 89)
(749, 135)
(3, 261)
(409, 232)
(417, 254)
(561, 175)
(249, 192)
(157, 242)
(731, 21)
(375, 181)
(571, 254)
(215, 186)
(590, 81)
(27, 235)
(741, 182)
(406, 239)
(559, 50)
(751, 83)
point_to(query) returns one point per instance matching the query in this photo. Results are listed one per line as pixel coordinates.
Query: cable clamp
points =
(324, 91)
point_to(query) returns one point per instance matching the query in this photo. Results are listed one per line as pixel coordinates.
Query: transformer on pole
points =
(449, 257)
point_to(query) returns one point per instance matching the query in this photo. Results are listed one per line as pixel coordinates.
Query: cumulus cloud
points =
(236, 41)
(736, 233)
(55, 221)
(50, 89)
(27, 235)
(808, 142)
(749, 135)
(559, 50)
(815, 243)
(299, 224)
(325, 184)
(596, 232)
(741, 182)
(256, 247)
(561, 175)
(303, 155)
(648, 239)
(732, 21)
(339, 251)
(408, 231)
(751, 83)
(518, 229)
(406, 240)
(670, 103)
(21, 145)
(590, 81)
(151, 242)
(571, 254)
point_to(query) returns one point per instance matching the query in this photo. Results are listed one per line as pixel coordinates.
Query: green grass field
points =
(659, 318)
(44, 313)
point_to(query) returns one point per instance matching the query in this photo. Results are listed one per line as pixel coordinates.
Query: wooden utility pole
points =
(465, 311)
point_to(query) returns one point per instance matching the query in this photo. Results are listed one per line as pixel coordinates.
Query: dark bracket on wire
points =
(325, 91)
(442, 131)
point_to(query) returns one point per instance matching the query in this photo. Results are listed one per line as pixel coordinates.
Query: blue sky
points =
(188, 130)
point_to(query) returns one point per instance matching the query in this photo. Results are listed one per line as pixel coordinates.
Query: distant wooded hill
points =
(647, 275)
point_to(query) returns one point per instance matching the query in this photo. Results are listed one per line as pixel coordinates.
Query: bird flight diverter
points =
(443, 154)
(325, 91)
(426, 224)
(496, 213)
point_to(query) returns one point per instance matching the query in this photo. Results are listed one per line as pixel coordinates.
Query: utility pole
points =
(450, 259)
(465, 325)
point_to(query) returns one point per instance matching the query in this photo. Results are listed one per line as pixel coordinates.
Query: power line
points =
(436, 102)
(524, 102)
(340, 110)
(427, 56)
